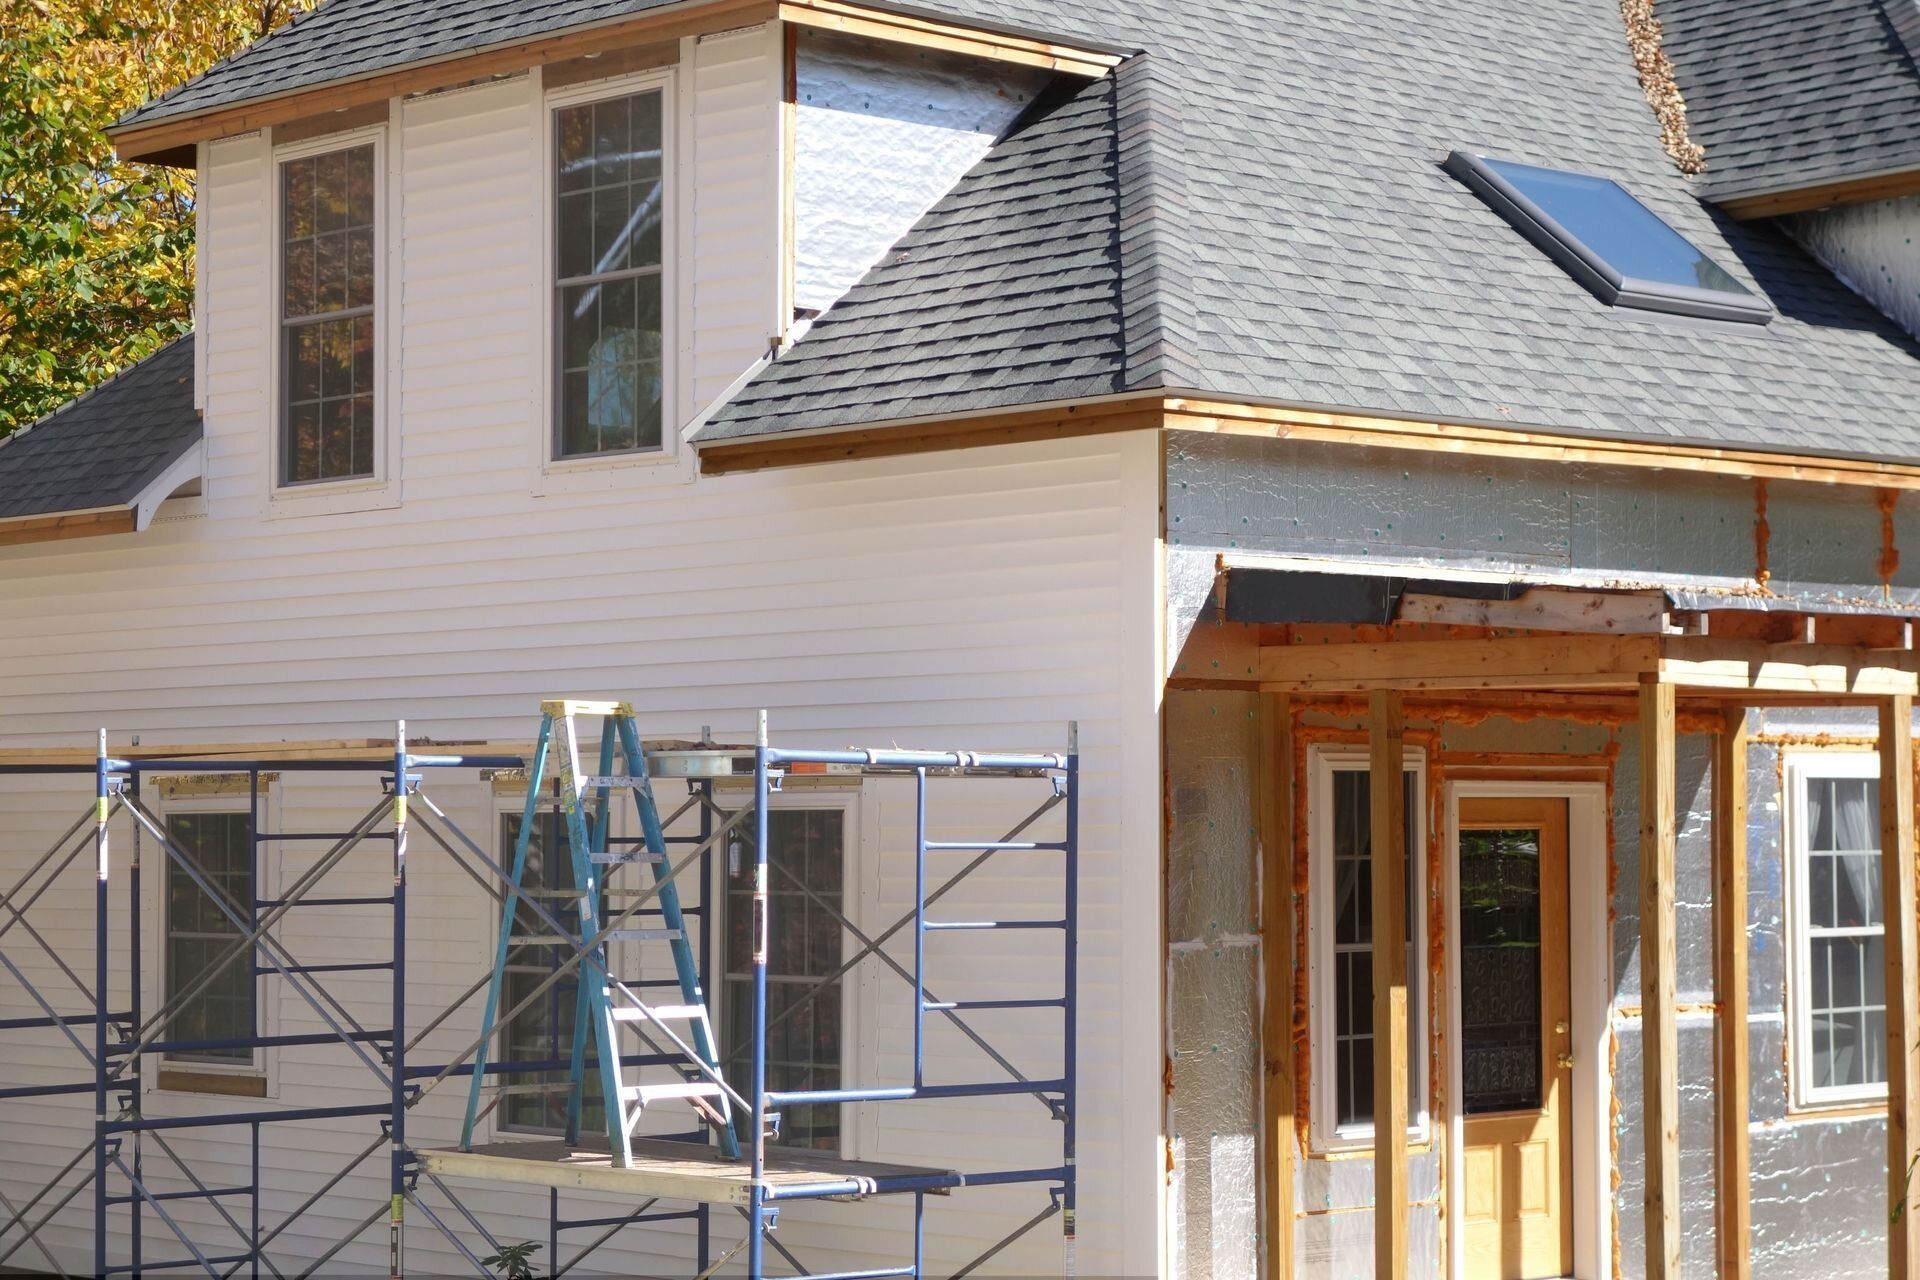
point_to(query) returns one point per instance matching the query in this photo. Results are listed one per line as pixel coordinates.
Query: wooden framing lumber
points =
(162, 140)
(1547, 609)
(1386, 729)
(170, 141)
(1660, 1106)
(947, 37)
(369, 749)
(60, 528)
(1275, 782)
(1879, 186)
(1902, 913)
(1732, 1159)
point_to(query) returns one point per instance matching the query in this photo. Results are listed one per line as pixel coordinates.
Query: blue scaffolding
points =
(685, 1176)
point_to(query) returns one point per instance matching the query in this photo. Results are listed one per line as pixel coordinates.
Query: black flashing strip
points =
(1287, 596)
(1590, 268)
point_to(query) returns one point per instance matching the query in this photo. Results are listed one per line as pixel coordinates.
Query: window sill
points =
(615, 471)
(1863, 1108)
(222, 1083)
(1360, 1143)
(332, 498)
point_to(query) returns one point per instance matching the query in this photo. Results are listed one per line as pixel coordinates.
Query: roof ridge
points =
(98, 387)
(1156, 272)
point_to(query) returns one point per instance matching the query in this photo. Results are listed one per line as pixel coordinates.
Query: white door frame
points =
(1590, 960)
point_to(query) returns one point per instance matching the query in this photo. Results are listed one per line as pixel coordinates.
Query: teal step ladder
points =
(605, 1008)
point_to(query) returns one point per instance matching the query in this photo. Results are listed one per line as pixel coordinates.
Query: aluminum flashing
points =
(1610, 242)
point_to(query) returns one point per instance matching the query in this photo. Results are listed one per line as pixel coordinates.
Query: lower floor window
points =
(805, 1036)
(1341, 905)
(1839, 1005)
(200, 937)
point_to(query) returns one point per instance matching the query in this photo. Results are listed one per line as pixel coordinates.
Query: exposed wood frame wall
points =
(1732, 1158)
(1900, 908)
(1387, 760)
(1660, 1092)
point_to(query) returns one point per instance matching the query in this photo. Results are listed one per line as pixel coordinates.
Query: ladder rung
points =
(649, 1093)
(662, 1012)
(643, 935)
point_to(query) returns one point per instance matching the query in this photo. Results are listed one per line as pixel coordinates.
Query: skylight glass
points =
(1608, 241)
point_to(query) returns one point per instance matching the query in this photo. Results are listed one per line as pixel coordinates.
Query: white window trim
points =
(671, 461)
(620, 954)
(158, 866)
(382, 489)
(853, 1064)
(1799, 767)
(1322, 763)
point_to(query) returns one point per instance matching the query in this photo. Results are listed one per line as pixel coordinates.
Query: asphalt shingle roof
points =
(1285, 232)
(104, 448)
(1786, 94)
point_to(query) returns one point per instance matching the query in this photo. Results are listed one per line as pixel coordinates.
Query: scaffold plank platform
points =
(678, 1171)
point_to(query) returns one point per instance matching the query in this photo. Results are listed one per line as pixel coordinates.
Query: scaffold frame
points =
(113, 1043)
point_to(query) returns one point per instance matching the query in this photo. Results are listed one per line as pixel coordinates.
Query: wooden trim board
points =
(1880, 186)
(60, 528)
(163, 141)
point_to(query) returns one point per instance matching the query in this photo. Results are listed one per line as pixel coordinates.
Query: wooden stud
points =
(1903, 975)
(1660, 1107)
(1386, 725)
(1734, 1227)
(1276, 942)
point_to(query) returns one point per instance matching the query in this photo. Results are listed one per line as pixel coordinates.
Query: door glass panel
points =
(1500, 970)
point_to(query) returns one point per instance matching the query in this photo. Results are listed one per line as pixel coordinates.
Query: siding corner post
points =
(1276, 940)
(1734, 1228)
(1386, 730)
(1658, 991)
(1903, 971)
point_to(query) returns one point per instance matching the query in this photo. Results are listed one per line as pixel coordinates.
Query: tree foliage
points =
(96, 256)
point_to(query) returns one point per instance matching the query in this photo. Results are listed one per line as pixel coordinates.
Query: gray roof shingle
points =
(1284, 231)
(104, 448)
(1787, 94)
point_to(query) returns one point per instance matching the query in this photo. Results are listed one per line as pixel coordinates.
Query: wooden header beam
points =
(1592, 662)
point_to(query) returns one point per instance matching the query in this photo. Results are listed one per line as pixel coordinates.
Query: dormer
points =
(573, 237)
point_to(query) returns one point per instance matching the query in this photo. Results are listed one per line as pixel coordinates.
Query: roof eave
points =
(1749, 200)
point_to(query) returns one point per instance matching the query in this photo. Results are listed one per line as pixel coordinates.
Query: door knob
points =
(1566, 1062)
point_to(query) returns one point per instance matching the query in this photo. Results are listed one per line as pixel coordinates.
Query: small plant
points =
(514, 1261)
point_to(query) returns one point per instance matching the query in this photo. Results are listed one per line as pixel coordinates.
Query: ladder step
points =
(663, 1012)
(645, 1094)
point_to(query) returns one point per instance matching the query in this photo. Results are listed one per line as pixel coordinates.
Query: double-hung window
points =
(609, 223)
(806, 992)
(210, 991)
(328, 315)
(1340, 924)
(1837, 1002)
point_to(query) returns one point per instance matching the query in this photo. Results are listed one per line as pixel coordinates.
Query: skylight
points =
(1608, 241)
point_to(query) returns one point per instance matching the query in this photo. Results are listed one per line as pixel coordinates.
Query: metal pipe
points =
(397, 1120)
(757, 1082)
(102, 807)
(919, 927)
(1070, 1057)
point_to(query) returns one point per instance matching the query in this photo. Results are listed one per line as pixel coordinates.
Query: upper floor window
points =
(329, 248)
(609, 219)
(1837, 1008)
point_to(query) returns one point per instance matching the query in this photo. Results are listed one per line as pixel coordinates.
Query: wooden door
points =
(1515, 1042)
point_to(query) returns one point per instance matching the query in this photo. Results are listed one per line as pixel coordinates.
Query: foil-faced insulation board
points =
(1870, 247)
(1213, 982)
(1821, 546)
(881, 132)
